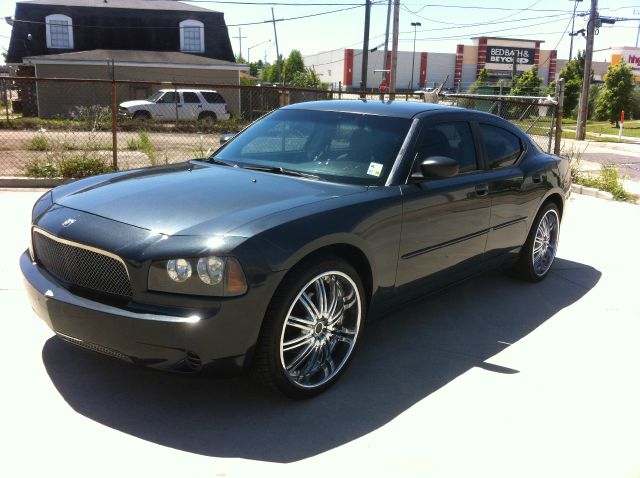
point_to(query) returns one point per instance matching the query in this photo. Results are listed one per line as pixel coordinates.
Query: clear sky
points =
(444, 24)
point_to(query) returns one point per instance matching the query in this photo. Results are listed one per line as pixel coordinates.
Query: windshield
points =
(335, 146)
(155, 97)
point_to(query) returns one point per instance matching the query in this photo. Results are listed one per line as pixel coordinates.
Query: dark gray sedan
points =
(270, 254)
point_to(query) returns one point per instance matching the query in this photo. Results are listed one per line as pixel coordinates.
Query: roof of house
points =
(134, 57)
(132, 4)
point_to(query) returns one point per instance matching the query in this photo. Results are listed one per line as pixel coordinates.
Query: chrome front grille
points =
(81, 265)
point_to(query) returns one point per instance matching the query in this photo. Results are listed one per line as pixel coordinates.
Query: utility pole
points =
(365, 50)
(573, 29)
(415, 25)
(394, 49)
(240, 37)
(275, 34)
(637, 12)
(385, 62)
(583, 109)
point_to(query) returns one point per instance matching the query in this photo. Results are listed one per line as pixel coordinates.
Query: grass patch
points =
(609, 179)
(143, 144)
(38, 143)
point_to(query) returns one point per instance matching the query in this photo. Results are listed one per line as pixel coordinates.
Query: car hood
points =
(129, 104)
(193, 198)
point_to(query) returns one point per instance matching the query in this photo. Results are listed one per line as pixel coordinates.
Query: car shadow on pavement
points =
(403, 358)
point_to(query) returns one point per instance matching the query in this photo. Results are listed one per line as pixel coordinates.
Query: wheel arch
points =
(555, 198)
(348, 252)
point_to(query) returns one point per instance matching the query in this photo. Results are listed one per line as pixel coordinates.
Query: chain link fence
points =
(537, 116)
(70, 128)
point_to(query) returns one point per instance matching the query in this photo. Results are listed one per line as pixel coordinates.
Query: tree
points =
(616, 94)
(240, 59)
(255, 67)
(293, 65)
(481, 80)
(528, 84)
(572, 73)
(306, 79)
(271, 74)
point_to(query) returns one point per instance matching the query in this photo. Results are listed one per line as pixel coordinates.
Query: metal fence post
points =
(114, 117)
(339, 90)
(553, 114)
(559, 116)
(6, 99)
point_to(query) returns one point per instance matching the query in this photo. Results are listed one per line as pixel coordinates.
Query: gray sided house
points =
(149, 40)
(56, 99)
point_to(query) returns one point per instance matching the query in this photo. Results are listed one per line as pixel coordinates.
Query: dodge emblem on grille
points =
(68, 222)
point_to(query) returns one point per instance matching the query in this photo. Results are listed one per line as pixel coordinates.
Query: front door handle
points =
(482, 189)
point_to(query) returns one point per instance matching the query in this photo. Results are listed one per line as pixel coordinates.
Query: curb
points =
(593, 192)
(25, 182)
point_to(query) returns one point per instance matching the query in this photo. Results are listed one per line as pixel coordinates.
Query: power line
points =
(476, 34)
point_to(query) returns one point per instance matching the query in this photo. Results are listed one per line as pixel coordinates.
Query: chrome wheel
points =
(545, 242)
(320, 329)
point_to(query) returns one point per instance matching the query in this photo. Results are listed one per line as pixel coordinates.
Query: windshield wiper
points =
(213, 160)
(280, 170)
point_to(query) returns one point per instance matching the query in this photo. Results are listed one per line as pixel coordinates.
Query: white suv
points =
(181, 105)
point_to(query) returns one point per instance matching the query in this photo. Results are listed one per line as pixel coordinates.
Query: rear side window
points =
(190, 97)
(503, 147)
(211, 97)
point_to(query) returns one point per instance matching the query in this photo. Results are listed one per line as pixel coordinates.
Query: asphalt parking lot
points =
(494, 378)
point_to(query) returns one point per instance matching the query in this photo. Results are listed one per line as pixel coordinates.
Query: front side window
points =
(59, 31)
(453, 140)
(336, 146)
(169, 97)
(192, 36)
(503, 147)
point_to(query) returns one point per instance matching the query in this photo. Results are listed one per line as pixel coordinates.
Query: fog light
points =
(211, 270)
(179, 270)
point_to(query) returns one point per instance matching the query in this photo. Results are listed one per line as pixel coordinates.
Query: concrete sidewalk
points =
(493, 378)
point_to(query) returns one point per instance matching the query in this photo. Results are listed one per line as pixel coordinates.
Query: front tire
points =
(539, 251)
(311, 328)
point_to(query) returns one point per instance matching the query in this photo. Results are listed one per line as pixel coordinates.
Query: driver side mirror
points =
(437, 167)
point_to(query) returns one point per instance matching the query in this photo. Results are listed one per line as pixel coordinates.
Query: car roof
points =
(400, 109)
(188, 89)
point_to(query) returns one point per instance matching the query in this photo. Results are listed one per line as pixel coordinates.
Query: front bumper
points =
(221, 341)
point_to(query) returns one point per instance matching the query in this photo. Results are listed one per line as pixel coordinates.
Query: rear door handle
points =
(537, 178)
(482, 189)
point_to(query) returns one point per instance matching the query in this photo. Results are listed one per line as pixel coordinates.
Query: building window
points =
(59, 31)
(192, 36)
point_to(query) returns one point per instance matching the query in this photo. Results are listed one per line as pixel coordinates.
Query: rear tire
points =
(311, 328)
(538, 253)
(207, 118)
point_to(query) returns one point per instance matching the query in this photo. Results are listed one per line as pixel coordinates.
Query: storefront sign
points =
(506, 55)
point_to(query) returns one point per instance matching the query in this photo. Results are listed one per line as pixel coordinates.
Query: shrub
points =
(81, 166)
(42, 168)
(38, 143)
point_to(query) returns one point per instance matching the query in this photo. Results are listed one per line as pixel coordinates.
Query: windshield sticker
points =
(375, 169)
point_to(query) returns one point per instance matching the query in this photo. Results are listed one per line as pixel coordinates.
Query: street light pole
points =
(257, 44)
(573, 23)
(415, 25)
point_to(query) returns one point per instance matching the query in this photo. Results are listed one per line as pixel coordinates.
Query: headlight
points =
(179, 270)
(211, 270)
(216, 276)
